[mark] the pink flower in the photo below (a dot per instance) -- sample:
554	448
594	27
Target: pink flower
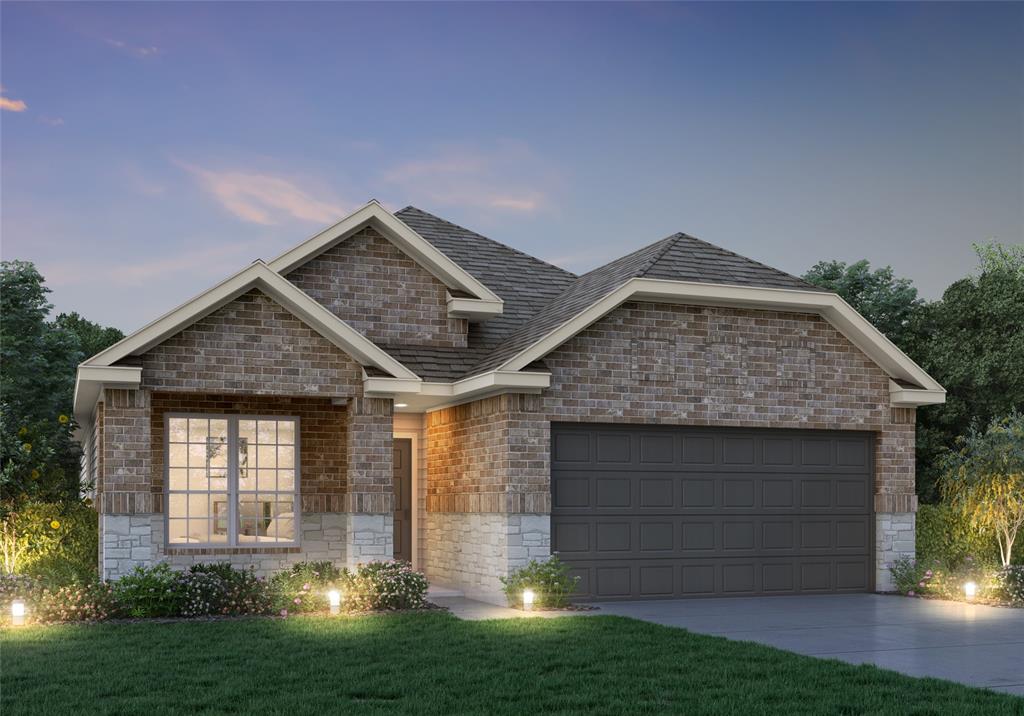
297	600
284	612
910	593
920	584
305	587
928	573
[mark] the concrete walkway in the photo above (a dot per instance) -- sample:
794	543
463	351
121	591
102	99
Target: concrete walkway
969	643
472	610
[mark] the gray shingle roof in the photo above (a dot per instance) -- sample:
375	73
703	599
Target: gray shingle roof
539	297
523	282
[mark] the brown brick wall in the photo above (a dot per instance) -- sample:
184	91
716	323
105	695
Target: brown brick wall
125	453
254	346
322	442
370	456
672	365
367	282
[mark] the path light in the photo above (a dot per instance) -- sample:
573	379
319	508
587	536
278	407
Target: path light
528	599
334	599
970	589
17	612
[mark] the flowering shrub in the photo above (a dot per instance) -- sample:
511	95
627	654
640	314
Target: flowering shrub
549	580
1008	585
221	589
150	592
50	540
303	588
88	602
383	585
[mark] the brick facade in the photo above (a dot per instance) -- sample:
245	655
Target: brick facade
254	346
378	290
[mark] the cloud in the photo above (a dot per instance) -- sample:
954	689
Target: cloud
507	178
136	50
12	105
263	198
52	121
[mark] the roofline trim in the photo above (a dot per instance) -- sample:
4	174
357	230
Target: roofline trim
398	232
431	395
90	382
830	306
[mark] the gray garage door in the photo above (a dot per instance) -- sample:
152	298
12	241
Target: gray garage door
668	512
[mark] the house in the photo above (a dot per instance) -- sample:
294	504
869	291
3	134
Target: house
682	421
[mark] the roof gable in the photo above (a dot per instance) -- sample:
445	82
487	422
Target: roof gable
487	303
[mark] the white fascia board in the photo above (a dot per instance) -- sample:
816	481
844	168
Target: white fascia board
432	395
91	380
474	309
904	397
396	231
259	276
830	306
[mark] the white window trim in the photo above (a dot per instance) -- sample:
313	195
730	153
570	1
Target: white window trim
233	492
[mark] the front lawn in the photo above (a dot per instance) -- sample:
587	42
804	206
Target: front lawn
434	663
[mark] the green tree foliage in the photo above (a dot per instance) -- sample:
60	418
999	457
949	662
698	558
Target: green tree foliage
38	456
92	337
891	304
975	348
984	480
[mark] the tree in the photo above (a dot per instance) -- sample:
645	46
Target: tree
984	479
38	455
92	337
975	349
891	304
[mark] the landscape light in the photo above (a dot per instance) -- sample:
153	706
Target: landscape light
17	612
334	599
970	589
528	599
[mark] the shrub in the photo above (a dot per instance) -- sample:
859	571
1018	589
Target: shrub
219	588
383	585
17	586
88	602
150	592
1008	585
303	588
549	580
54	541
907	575
944	534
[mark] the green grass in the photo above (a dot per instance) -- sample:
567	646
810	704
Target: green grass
434	663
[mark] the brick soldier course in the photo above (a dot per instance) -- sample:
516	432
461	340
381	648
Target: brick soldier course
484	466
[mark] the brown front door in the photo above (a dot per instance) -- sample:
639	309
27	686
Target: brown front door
403	499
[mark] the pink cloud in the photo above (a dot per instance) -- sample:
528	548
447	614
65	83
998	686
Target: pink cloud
136	50
265	199
12	105
509	177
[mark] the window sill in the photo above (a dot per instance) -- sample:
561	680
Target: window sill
183	550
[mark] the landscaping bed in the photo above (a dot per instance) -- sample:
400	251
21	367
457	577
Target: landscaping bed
434	663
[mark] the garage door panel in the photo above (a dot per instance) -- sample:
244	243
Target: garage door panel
679	578
652	512
637	536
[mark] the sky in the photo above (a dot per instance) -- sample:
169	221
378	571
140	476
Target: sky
149	150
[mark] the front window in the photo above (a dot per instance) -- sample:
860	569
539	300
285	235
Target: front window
232	480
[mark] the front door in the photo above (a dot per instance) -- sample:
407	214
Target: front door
403	499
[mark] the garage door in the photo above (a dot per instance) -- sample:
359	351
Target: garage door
668	512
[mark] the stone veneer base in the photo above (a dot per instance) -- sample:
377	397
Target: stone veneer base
127	541
470	551
894	538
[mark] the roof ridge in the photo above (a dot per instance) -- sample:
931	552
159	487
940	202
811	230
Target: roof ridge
682	235
670	241
487	238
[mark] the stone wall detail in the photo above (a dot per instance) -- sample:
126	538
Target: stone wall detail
894	539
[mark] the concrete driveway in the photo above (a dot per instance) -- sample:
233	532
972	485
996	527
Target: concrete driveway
972	644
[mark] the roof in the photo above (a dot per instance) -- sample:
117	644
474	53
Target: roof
520	308
678	257
525	283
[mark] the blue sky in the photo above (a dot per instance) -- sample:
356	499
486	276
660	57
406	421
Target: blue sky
149	150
